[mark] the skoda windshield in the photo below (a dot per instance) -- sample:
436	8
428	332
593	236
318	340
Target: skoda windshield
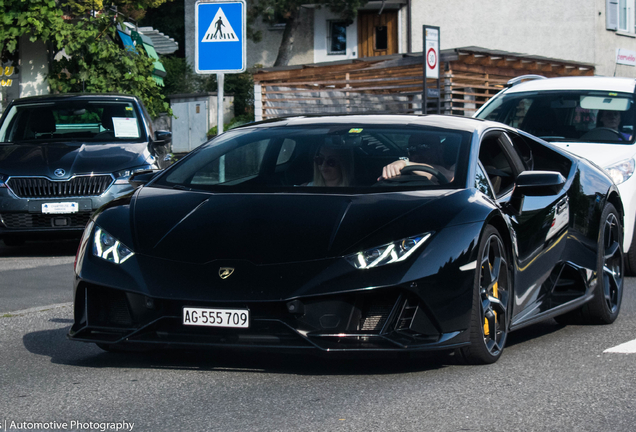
323	159
72	121
569	116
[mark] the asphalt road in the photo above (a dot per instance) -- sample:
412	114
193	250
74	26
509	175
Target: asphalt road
36	274
550	377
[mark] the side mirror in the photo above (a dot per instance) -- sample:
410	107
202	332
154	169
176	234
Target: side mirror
141	178
539	183
163	137
535	183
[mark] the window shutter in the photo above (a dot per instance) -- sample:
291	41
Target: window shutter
611	13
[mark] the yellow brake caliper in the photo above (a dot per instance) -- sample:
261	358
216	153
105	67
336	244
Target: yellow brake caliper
495	294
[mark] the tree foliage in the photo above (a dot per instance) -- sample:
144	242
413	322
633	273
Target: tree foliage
288	12
84	55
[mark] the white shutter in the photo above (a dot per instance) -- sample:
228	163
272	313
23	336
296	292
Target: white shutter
611	13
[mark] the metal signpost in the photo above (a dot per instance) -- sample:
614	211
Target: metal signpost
219	29
431	66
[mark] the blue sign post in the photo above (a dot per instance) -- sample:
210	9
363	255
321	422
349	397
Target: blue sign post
219	28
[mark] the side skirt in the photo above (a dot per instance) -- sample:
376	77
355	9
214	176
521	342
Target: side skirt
567	307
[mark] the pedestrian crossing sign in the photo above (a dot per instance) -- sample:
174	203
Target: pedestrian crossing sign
220	36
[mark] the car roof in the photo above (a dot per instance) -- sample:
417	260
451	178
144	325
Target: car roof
613	84
467	124
73	96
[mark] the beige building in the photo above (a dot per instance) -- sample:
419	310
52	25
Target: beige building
586	31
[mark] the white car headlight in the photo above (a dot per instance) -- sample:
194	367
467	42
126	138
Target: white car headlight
388	253
109	248
621	171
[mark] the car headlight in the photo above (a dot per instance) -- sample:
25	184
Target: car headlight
3	179
621	171
109	248
388	253
122	177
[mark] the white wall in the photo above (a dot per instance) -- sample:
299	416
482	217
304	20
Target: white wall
566	29
34	67
265	52
321	18
561	29
606	44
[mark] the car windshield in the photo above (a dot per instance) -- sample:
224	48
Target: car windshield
79	120
322	159
576	116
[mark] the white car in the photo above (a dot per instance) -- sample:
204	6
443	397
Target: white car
593	117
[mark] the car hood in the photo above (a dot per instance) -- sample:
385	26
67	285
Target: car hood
603	155
43	159
199	227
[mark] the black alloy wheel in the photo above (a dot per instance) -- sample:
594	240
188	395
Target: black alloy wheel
604	307
491	301
612	265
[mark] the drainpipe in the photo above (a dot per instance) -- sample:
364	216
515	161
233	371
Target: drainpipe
409	45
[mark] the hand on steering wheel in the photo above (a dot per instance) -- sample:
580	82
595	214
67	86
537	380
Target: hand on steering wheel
411	169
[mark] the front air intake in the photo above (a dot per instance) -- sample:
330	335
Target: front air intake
376	311
107	308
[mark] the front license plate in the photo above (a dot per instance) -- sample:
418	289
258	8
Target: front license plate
60	207
235	318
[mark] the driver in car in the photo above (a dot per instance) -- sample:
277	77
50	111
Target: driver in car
612	120
426	151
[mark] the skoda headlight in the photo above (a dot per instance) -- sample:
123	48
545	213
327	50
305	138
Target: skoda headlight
122	177
109	248
621	171
388	253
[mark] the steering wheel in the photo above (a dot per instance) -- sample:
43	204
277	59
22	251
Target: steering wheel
410	171
600	132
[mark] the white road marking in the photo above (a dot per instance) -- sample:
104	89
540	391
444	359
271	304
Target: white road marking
626	348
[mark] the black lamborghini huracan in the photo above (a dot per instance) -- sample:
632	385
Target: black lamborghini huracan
294	234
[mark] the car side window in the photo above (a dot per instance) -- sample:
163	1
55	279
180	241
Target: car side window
523	150
498	162
286	151
481	182
240	163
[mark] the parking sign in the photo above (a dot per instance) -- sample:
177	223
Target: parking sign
220	36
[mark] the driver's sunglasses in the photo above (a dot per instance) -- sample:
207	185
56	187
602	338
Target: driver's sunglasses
330	162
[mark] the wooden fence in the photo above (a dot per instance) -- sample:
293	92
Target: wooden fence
393	84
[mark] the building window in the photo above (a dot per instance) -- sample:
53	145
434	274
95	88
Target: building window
381	38
337	37
623	13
